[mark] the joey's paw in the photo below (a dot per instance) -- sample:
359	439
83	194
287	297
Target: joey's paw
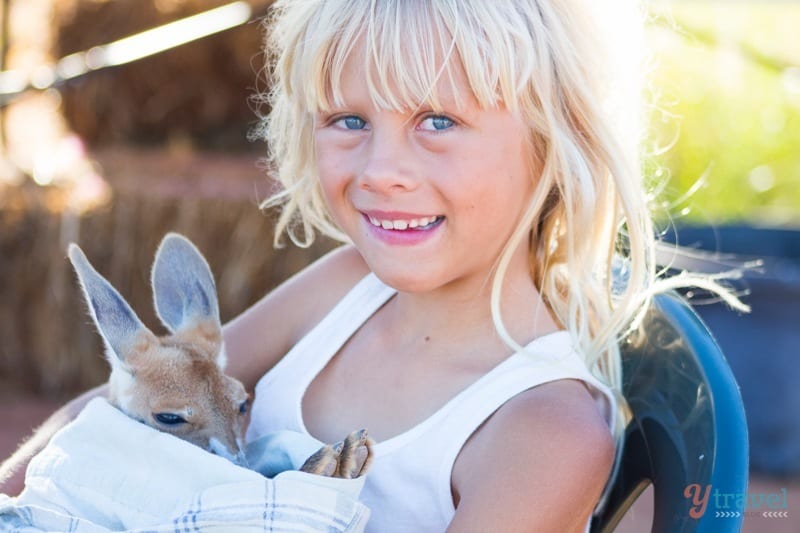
323	463
356	455
346	459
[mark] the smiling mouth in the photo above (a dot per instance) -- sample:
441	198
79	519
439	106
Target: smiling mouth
414	224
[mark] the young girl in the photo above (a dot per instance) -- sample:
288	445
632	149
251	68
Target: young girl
481	161
475	157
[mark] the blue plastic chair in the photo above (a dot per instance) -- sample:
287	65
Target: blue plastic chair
687	427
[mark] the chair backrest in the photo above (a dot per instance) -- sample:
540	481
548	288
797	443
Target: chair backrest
687	434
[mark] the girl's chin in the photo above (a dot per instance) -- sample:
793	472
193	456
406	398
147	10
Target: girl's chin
406	280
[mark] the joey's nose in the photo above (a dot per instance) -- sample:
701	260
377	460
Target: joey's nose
232	452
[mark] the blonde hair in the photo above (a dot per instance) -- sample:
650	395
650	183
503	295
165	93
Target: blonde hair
569	67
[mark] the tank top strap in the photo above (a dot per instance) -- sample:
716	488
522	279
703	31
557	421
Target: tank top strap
279	392
548	358
329	335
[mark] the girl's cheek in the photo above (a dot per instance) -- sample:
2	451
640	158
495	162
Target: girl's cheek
333	201
333	170
335	153
335	175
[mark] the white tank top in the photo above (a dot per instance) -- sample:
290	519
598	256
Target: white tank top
408	487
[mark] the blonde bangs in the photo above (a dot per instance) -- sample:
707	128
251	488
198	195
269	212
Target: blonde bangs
409	49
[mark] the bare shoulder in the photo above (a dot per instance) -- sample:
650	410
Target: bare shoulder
314	291
539	463
261	335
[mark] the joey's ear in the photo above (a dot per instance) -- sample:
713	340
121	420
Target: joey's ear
183	287
118	324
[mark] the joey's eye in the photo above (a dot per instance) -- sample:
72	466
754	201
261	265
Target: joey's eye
436	123
169	419
244	406
351	122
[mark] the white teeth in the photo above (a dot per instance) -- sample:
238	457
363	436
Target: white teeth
401	225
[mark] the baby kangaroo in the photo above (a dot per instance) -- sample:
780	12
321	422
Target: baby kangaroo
176	383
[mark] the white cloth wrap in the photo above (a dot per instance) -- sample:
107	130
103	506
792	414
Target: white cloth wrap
106	472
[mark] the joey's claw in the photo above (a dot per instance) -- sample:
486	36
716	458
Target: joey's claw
356	455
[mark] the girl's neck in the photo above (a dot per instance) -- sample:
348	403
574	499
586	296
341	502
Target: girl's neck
462	310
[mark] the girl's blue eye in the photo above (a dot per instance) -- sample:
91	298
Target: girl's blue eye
437	123
351	122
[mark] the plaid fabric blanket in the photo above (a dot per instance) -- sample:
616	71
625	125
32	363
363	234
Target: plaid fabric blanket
105	472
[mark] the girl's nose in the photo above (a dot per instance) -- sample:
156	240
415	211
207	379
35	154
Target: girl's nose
389	165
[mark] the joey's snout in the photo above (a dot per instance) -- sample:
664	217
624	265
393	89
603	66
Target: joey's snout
234	454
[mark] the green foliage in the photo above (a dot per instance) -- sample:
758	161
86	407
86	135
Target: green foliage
726	86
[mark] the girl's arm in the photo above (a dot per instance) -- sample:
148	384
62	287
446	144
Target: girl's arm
257	339
538	464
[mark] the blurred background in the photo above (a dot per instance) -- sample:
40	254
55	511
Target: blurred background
112	134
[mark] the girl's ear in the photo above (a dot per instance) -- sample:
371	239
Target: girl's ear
183	286
118	324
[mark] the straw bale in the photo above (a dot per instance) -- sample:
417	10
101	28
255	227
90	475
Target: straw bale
195	93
